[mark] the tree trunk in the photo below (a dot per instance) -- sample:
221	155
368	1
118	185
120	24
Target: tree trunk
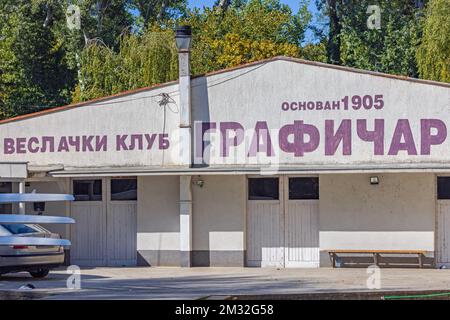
147	8
49	18
334	42
162	10
223	4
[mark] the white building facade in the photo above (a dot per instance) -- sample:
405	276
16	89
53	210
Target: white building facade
270	164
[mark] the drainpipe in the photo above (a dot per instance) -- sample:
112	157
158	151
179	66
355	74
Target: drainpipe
22	190
185	221
183	39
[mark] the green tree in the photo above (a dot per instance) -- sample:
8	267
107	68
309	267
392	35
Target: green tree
235	50
433	56
40	56
100	21
245	31
223	36
33	68
121	54
333	11
392	47
314	52
142	60
157	11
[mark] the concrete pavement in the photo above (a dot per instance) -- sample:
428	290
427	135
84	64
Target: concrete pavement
198	283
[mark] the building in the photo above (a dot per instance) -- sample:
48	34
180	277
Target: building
272	163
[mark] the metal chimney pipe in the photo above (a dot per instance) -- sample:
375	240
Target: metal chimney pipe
183	37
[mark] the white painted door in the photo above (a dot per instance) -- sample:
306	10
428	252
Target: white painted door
302	233
122	233
265	234
88	234
302	222
105	231
265	223
283	232
443	233
121	222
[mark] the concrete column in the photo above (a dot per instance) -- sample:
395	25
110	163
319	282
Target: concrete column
22	204
185	221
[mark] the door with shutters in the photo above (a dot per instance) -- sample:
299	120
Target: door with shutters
302	222
282	222
265	223
88	234
121	223
105	211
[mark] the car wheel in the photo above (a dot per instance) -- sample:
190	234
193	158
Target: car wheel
40	273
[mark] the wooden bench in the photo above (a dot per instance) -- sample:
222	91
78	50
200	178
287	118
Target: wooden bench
376	254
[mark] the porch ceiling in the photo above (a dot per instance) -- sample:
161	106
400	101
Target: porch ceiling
13	170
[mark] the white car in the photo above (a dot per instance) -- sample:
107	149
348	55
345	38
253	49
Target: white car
37	260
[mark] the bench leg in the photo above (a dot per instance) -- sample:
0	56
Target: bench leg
375	259
333	259
420	260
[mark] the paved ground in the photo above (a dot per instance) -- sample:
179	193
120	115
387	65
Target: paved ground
195	283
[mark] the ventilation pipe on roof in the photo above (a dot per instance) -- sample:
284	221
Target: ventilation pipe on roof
183	37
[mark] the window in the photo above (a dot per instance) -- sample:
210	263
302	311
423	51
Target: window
5	187
87	190
19	228
123	189
303	188
443	188
263	189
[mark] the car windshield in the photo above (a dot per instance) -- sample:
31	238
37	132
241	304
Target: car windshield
19	228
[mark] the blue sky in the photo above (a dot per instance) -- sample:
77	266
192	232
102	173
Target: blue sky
294	4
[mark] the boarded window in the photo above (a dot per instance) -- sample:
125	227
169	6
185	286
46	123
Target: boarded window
87	190
443	188
263	189
123	189
303	188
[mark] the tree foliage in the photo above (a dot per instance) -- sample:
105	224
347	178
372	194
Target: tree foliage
334	11
153	12
39	54
246	31
433	56
33	67
234	50
390	49
140	61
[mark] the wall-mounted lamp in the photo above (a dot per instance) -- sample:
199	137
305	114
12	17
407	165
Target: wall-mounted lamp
39	207
374	180
198	182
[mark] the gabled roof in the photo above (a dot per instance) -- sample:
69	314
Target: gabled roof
278	58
